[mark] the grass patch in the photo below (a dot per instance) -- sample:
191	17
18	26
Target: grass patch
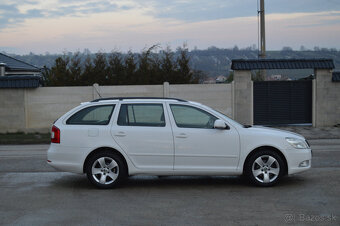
25	138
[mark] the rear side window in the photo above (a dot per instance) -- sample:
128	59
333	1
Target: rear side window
94	115
141	115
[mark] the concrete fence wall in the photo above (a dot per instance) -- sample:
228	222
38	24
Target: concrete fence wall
34	110
31	110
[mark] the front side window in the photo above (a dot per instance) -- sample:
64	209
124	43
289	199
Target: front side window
141	115
191	117
94	115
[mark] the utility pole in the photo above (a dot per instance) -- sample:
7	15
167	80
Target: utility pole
262	30
262	54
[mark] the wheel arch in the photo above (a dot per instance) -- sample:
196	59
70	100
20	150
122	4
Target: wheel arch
102	149
271	148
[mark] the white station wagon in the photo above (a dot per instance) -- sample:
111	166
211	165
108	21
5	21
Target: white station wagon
110	139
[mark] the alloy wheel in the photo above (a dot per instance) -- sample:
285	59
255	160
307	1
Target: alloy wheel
266	169
105	170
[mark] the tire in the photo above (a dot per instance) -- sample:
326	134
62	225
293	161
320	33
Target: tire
265	168
106	170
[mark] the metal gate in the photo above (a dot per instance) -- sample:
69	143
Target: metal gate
282	102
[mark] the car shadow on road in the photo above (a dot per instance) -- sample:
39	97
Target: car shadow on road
184	182
204	181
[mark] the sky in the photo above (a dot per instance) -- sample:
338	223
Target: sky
56	26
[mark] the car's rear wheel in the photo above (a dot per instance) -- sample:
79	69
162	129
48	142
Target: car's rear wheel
265	168
105	169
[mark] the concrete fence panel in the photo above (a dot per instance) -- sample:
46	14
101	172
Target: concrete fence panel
217	96
132	91
12	110
44	105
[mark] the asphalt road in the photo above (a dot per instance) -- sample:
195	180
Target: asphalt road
32	193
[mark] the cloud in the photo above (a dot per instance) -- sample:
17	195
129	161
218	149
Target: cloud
202	10
130	24
10	14
16	12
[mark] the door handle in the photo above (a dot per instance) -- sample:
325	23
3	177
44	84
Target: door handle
120	134
182	135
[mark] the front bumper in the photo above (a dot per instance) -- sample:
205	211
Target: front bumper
299	160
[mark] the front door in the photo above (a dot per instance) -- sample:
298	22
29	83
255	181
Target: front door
198	145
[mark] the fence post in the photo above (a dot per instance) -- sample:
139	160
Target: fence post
96	91
327	96
166	89
243	97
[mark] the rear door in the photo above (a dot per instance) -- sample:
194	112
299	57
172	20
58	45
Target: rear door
143	131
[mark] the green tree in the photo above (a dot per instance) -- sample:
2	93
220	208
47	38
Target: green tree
147	72
130	69
167	65
100	71
147	67
59	72
87	78
184	75
75	70
156	73
116	70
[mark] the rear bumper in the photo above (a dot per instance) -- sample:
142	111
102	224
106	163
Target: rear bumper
64	159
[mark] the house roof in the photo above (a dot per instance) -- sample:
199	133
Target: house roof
336	76
13	64
20	81
254	64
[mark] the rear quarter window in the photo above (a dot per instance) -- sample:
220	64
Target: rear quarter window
94	115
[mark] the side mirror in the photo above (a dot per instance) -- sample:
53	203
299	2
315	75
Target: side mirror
219	124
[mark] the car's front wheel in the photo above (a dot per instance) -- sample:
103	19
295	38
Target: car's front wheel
265	168
105	169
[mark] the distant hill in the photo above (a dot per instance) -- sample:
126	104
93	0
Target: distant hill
215	61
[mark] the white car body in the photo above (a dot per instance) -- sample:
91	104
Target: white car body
171	150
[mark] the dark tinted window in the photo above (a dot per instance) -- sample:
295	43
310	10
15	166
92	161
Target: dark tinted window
95	115
141	115
191	117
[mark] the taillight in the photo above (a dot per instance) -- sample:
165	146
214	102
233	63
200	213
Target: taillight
55	135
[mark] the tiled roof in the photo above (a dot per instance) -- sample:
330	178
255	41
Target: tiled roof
13	64
254	64
336	76
20	81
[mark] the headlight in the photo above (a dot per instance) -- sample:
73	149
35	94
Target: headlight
297	143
